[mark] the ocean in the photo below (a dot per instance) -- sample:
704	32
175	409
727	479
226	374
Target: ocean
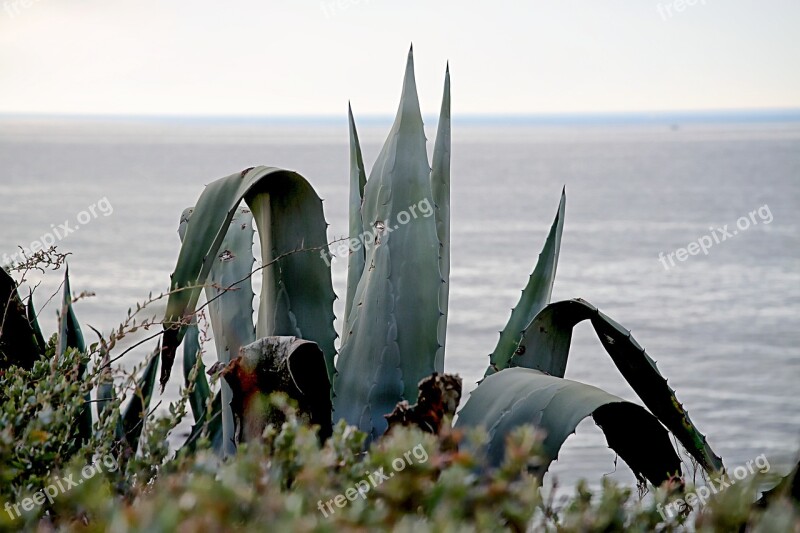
723	323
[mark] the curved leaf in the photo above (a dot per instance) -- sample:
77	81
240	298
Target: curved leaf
545	346
290	365
297	293
534	297
517	396
391	338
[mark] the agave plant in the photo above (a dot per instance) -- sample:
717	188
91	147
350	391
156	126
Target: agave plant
22	345
396	306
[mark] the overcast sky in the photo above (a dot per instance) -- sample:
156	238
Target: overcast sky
309	57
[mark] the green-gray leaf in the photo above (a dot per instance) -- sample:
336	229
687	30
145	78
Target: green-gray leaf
391	340
133	417
517	396
297	293
545	346
440	185
534	297
358	180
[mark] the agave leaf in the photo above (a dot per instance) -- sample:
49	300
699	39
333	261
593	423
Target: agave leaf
105	383
391	340
440	186
517	396
297	294
210	425
545	342
69	330
545	346
290	365
136	410
358	180
201	392
106	394
18	345
33	320
231	311
71	336
534	297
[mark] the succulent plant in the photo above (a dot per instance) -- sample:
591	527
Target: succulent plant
396	305
22	345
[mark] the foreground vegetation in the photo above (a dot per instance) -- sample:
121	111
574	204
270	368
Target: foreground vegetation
289	481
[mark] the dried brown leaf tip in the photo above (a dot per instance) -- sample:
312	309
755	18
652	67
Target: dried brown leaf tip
439	396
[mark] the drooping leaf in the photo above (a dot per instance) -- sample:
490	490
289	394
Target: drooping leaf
18	345
133	417
297	293
517	396
289	365
545	346
358	180
545	342
534	297
391	340
440	186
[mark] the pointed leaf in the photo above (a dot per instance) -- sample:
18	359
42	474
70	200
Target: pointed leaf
69	330
440	185
71	336
33	320
392	330
534	297
358	180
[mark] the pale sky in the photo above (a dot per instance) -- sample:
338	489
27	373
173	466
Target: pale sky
309	57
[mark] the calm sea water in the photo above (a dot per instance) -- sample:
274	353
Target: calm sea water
724	327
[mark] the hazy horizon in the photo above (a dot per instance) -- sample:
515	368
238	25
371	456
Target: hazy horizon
311	57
